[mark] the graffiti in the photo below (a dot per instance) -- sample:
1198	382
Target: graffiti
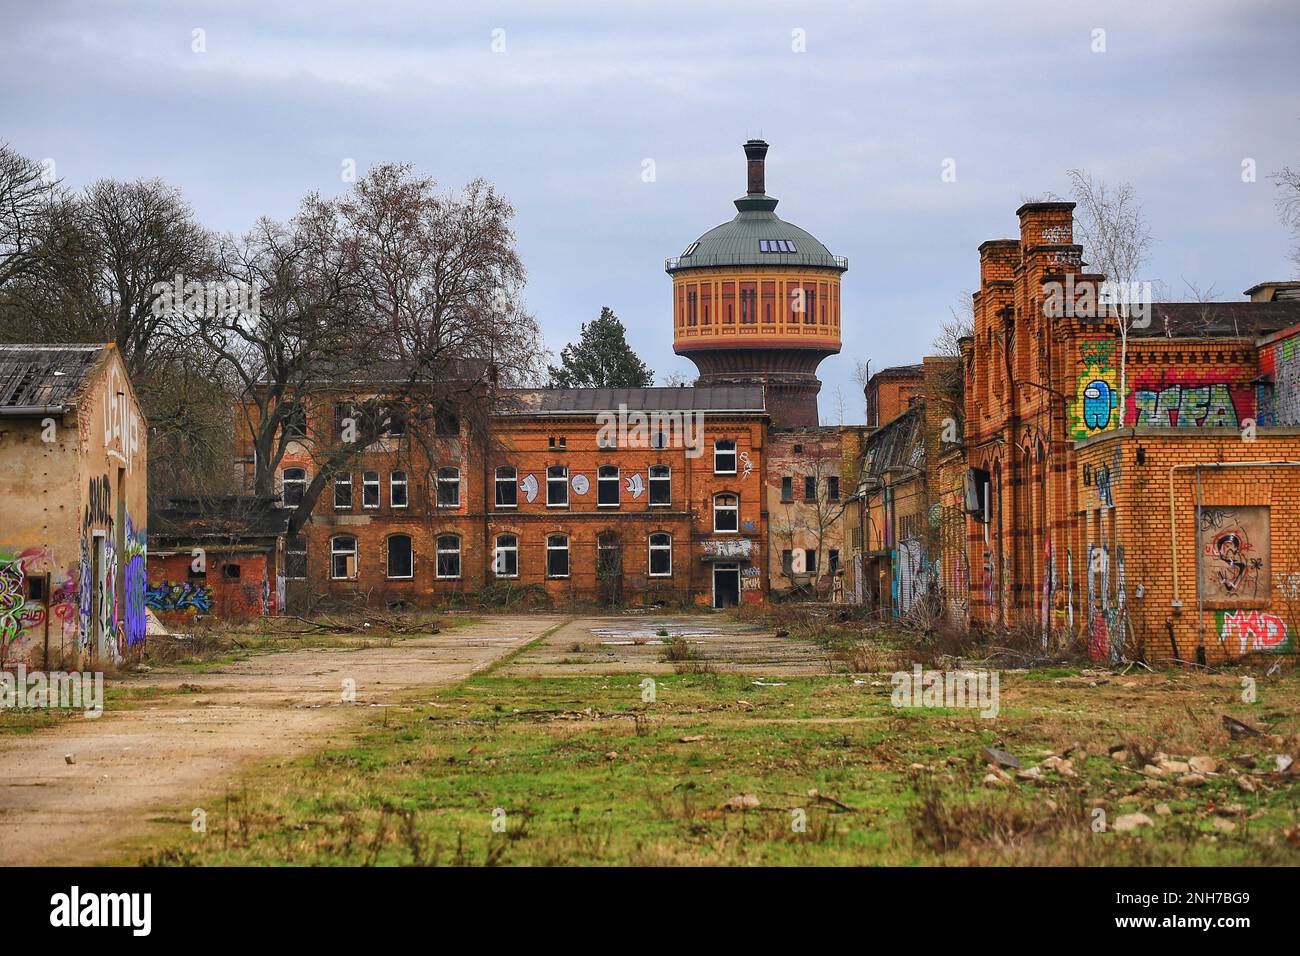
748	468
1279	402
99	505
179	597
635	484
581	484
727	548
528	485
1253	631
12	604
1287	584
1234	553
1106	477
135	583
913	575
1098	390
121	423
1204	406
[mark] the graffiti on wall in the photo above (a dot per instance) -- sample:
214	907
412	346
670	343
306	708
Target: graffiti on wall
121	422
1097	394
20	614
1247	631
186	596
1279	394
135	582
1215	398
914	575
1234	553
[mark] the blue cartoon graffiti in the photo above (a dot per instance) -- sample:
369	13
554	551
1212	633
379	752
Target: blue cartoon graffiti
1098	401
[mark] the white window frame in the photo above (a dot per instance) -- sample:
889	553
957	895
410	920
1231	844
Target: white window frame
562	481
650	483
651	548
393	484
734	452
617	481
567	557
388	560
512	481
498	549
367	483
454	483
288	550
734	509
300	483
343	480
356	557
439	551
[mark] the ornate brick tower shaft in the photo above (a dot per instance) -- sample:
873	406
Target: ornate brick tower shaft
756	301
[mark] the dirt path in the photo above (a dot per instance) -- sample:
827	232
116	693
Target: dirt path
151	766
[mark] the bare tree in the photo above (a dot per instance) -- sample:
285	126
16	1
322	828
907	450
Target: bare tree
25	195
1288	206
1116	241
394	309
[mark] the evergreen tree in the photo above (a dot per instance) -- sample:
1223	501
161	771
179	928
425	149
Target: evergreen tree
601	358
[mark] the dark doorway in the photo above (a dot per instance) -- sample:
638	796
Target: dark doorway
609	567
726	585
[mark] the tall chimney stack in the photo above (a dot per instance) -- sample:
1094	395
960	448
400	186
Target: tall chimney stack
756	154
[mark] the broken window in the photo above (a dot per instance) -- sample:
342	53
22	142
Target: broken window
726	513
343	491
293	482
397	489
295	558
343	557
448	556
661	555
661	485
557	556
401	559
449	487
370	489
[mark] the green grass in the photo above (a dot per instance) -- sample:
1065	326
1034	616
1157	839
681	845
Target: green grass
585	772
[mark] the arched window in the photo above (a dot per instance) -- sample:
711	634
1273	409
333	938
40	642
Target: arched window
449	487
505	556
557	486
607	486
661	555
401	559
661	485
726	512
343	557
293	482
507	481
557	556
724	456
448	546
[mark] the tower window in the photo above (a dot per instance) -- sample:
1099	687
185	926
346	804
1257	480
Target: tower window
776	245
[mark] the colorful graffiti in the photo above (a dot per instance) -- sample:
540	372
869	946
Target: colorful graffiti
135	584
1248	631
179	597
1279	393
13	602
1097	395
1234	553
19	613
1190	398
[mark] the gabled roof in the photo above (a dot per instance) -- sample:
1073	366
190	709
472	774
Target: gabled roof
589	401
40	379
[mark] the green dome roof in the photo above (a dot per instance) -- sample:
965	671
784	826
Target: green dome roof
757	236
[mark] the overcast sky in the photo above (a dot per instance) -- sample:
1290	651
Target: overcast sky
564	118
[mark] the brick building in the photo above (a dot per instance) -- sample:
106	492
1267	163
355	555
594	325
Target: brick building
1137	495
650	495
72	533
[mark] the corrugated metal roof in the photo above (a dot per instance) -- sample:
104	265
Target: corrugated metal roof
44	376
542	401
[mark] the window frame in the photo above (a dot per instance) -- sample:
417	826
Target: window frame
336	552
288	550
734	509
393	483
733	451
498	549
512	481
602	480
368	483
388	557
568	567
343	481
439	551
441	481
651	481
299	483
651	548
560	480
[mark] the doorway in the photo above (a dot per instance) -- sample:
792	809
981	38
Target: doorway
726	585
609	568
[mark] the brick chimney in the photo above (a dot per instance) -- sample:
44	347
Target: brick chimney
756	156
